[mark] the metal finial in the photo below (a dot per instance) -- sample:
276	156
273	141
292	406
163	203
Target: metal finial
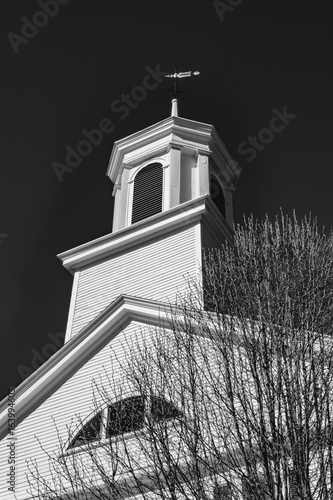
174	107
175	90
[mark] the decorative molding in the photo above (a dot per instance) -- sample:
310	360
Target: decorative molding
153	227
72	306
79	349
155	140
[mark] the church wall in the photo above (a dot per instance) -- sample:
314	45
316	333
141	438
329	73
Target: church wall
49	421
155	271
208	242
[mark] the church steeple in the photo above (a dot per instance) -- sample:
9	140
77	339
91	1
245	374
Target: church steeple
180	160
173	187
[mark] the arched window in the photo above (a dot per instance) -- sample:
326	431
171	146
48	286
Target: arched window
90	432
216	194
124	416
148	191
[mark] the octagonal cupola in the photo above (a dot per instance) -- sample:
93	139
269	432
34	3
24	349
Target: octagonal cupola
167	164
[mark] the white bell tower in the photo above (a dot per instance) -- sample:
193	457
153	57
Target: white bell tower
173	188
193	162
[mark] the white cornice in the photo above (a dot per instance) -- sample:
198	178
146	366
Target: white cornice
154	140
187	128
158	225
77	351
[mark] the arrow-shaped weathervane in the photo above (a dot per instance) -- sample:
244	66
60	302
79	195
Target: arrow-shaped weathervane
183	74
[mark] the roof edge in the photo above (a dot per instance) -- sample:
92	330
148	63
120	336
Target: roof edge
65	362
160	224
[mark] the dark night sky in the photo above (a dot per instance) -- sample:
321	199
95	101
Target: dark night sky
264	55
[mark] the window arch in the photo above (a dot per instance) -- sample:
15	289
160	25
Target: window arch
217	195
124	416
147	192
89	433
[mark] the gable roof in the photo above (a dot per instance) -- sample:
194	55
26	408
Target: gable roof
78	350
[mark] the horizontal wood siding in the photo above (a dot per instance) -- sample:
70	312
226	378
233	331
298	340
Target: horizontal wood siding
73	399
155	271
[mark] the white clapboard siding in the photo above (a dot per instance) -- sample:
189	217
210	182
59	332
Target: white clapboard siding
61	408
156	271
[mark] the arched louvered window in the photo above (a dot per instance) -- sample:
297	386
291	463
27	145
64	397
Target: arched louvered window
148	191
126	415
216	194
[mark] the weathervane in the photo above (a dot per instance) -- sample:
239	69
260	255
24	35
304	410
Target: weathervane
175	90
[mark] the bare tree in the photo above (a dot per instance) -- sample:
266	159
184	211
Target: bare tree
234	394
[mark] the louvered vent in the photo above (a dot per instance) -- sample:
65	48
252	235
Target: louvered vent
216	194
148	189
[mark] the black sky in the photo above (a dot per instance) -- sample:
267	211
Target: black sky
263	55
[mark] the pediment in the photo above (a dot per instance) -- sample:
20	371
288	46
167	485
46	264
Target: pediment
78	351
